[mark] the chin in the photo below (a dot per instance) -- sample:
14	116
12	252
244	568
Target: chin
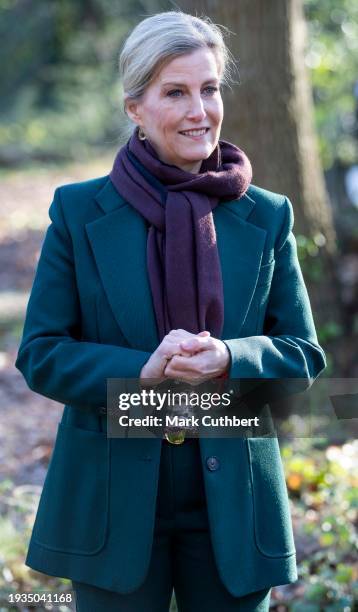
194	153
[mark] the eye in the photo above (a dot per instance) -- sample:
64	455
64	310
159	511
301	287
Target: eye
176	93
173	93
211	89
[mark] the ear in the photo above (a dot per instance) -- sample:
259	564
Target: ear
132	108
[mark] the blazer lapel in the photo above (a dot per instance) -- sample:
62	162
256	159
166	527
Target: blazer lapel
119	244
240	246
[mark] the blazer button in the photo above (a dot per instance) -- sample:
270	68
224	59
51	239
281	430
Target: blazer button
213	463
102	410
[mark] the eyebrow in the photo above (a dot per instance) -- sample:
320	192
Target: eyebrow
213	80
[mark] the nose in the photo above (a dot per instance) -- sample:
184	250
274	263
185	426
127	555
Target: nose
196	110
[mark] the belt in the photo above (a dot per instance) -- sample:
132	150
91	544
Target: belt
168	439
175	437
172	437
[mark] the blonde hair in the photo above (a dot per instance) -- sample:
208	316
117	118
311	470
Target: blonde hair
162	37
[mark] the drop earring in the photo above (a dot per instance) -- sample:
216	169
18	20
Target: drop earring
141	134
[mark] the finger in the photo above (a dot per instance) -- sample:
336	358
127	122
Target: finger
170	345
193	378
174	348
197	343
199	365
186	334
194	347
180	332
184	364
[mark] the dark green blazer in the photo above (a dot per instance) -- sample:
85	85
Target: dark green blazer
90	317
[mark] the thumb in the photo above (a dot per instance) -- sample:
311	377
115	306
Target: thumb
196	343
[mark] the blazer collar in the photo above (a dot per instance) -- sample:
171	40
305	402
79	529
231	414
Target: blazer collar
119	239
109	199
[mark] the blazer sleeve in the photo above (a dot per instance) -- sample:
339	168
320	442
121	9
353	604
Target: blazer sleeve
289	347
52	357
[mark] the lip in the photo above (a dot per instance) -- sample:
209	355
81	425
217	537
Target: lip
195	137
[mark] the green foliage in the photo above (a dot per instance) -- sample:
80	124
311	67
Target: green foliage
61	96
323	484
17	510
309	251
330	331
332	57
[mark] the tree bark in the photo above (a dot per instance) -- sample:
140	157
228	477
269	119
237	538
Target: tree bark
270	116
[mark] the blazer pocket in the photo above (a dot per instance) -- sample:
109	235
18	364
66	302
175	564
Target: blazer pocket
272	518
265	274
73	510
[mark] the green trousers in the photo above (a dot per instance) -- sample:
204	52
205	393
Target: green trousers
182	555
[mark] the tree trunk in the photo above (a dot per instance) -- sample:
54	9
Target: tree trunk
270	116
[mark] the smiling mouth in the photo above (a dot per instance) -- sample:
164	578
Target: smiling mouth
196	133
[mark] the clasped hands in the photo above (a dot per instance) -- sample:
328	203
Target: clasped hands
187	357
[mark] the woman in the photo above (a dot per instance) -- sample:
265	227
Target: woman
173	267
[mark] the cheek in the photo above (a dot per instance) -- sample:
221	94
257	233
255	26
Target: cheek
215	110
154	119
165	121
154	115
218	112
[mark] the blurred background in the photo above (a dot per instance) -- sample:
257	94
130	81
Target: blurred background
294	109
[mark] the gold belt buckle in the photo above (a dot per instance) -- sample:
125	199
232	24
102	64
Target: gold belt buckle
175	437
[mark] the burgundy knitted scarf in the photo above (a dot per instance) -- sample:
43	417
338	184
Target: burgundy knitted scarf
182	256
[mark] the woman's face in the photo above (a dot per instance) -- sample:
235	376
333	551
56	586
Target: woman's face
184	96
